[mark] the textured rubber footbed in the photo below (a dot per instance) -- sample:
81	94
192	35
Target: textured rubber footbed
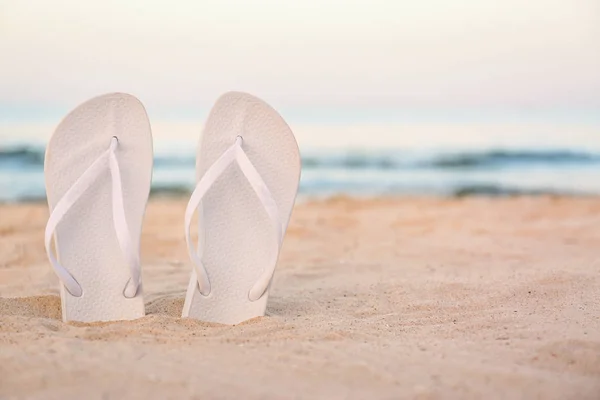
239	238
85	240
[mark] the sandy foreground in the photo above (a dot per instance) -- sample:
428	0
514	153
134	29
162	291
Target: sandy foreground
407	298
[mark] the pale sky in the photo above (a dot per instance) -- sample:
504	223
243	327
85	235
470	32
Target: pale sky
327	54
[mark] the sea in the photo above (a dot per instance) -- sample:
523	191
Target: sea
365	158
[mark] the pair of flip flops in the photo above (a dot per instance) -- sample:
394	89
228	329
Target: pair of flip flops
98	171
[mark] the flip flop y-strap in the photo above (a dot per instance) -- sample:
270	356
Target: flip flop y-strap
108	160
234	153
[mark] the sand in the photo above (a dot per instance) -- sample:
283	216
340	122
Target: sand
386	298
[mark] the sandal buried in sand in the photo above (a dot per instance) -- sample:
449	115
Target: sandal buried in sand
98	170
248	170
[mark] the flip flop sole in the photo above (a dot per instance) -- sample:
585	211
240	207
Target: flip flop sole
239	238
85	240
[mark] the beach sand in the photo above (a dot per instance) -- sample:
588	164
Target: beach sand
384	298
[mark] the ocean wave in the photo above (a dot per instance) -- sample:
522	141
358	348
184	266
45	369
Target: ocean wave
506	157
23	155
33	156
450	160
504	191
364	189
175	190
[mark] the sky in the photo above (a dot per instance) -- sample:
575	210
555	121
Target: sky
317	57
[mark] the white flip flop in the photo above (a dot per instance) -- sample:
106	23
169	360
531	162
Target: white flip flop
248	170
98	170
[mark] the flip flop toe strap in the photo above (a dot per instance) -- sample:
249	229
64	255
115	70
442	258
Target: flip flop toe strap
108	160
234	153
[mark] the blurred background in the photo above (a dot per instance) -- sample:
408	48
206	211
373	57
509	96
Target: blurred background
386	97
